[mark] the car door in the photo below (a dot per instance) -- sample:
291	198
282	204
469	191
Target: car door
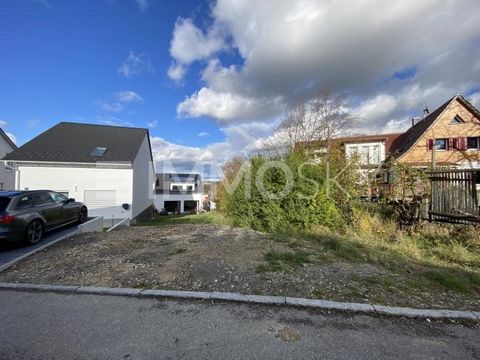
48	209
68	211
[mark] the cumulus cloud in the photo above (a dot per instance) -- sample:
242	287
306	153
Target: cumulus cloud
135	65
190	44
203	134
389	59
288	53
170	156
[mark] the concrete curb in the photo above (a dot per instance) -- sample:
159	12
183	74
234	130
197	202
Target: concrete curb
252	299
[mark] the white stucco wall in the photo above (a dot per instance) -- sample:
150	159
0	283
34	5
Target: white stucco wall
143	179
7	178
77	180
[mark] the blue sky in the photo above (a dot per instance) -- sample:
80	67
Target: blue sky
211	79
61	58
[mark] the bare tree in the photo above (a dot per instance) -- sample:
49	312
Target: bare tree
318	120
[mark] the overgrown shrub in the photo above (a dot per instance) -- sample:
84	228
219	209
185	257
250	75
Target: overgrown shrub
260	200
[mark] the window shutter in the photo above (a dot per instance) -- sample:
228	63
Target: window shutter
450	144
456	144
429	144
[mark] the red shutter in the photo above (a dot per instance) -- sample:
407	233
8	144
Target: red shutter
429	144
450	145
456	144
464	143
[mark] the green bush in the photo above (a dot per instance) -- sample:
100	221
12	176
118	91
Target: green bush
310	201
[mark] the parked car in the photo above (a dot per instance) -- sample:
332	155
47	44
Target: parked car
27	215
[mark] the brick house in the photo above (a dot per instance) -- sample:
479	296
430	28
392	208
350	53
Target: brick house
452	130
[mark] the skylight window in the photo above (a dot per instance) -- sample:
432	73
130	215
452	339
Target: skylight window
98	151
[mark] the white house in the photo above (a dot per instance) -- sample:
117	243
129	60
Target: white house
178	193
7	177
109	168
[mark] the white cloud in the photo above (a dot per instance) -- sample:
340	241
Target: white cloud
114	107
190	44
12	137
152	124
285	52
142	5
117	101
185	158
113	121
3	123
176	72
128	96
135	65
226	106
203	134
288	53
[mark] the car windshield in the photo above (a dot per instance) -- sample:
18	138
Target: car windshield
4	201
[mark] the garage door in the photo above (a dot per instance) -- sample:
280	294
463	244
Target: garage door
100	198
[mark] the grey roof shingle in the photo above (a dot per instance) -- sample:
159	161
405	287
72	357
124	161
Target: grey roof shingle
74	142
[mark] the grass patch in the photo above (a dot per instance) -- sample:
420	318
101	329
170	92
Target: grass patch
453	281
211	217
279	261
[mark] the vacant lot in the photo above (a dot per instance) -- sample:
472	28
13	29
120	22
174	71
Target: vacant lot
193	256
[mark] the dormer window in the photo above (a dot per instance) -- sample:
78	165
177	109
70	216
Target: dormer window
456	120
98	151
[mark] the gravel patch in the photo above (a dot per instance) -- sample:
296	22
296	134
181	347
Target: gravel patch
204	257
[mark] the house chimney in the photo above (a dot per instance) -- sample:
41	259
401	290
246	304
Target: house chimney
416	120
426	111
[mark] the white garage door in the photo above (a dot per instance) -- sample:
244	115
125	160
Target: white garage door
100	198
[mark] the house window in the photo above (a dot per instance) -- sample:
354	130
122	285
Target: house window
456	120
375	155
441	144
473	143
176	188
98	151
189	187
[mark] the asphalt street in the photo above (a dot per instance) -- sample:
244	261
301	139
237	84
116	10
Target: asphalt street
62	326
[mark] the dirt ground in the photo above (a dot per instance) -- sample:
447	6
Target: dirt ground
218	258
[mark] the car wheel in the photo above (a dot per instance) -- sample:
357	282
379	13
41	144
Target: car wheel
34	232
83	215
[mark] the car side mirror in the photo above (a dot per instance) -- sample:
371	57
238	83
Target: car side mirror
71	200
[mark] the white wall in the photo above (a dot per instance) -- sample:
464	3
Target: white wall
7	178
77	180
143	179
161	198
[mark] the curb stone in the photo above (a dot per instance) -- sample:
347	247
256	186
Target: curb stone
425	313
252	299
176	294
108	291
330	305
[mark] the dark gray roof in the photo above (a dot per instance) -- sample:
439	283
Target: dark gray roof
74	142
7	139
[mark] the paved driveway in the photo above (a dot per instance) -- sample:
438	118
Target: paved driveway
11	251
61	326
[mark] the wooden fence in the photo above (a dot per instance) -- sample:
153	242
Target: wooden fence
454	196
